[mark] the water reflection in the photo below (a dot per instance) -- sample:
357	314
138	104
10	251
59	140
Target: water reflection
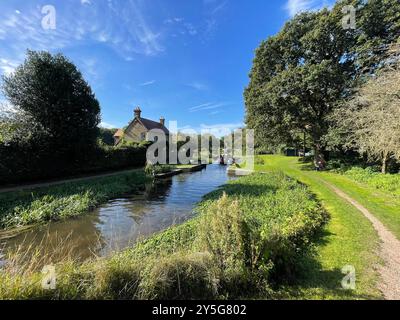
121	222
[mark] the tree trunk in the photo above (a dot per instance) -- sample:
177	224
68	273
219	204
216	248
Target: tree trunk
319	158
385	161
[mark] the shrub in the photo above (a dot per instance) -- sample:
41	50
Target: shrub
372	177
259	161
179	276
221	233
154	169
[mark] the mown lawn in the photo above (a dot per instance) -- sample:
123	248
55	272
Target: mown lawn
348	239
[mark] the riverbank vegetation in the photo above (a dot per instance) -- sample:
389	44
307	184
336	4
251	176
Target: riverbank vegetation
348	238
249	236
39	205
385	182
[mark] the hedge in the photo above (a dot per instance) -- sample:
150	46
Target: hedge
26	164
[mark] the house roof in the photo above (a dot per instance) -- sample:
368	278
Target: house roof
119	133
150	124
147	123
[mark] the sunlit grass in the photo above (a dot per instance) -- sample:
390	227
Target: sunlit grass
348	239
248	236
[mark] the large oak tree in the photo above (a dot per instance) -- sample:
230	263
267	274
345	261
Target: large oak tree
300	74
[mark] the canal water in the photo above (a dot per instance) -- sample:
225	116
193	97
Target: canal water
121	222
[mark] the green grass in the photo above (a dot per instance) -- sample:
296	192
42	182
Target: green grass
28	207
389	183
348	239
258	237
248	236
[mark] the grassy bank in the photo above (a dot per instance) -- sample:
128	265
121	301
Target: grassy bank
389	183
348	238
27	207
248	237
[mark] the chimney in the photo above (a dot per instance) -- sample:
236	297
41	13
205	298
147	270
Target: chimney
137	112
162	121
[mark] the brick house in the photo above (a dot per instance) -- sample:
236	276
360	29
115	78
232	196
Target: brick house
138	128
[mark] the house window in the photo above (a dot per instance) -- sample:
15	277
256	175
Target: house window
143	136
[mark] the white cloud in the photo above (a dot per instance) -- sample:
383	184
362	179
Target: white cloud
124	28
198	86
191	29
294	7
207	106
7	67
215	112
220	130
107	125
178	25
219	7
214	8
148	83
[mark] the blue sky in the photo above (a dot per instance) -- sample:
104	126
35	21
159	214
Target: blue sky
186	60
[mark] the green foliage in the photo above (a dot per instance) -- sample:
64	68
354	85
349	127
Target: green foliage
301	75
246	234
29	166
379	26
259	161
372	177
296	78
54	130
106	136
154	169
52	93
64	201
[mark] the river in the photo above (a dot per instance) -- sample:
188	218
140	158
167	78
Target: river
119	223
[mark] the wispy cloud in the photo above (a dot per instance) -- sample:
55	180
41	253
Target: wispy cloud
198	86
123	28
107	125
7	66
219	7
181	26
214	8
222	129
294	7
148	83
207	106
218	130
215	112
